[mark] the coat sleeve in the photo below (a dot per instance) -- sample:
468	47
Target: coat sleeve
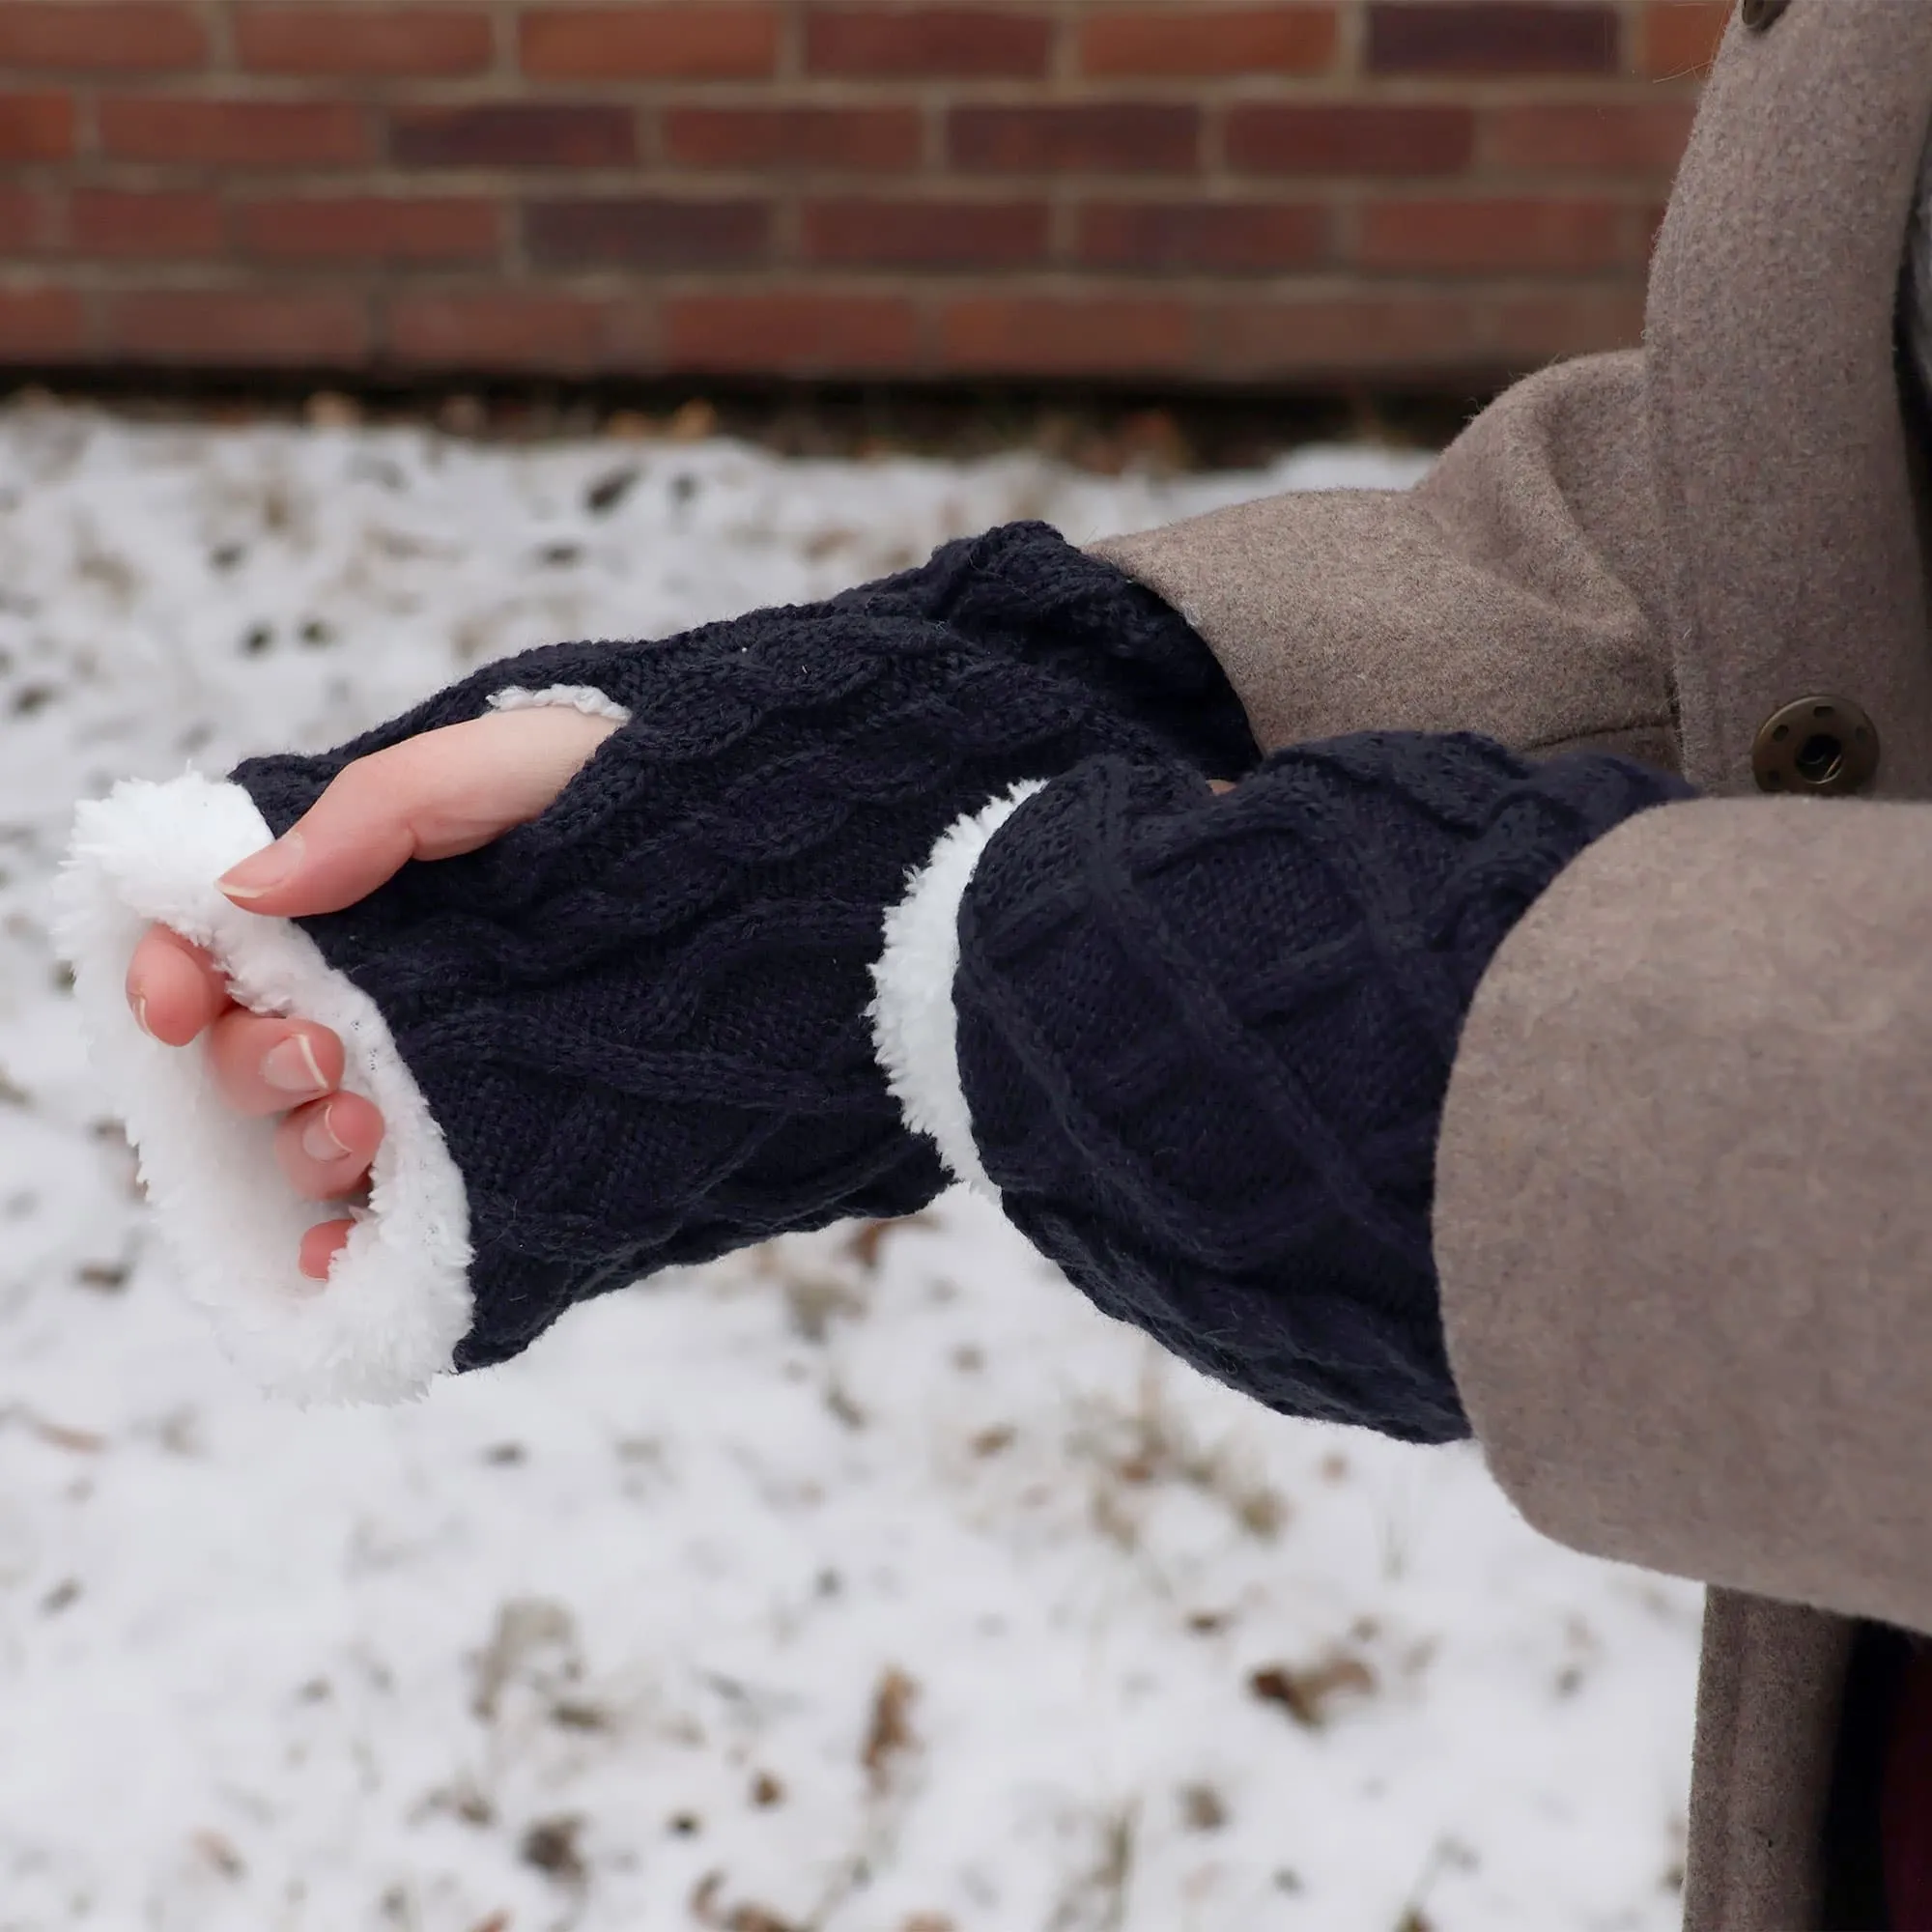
1682	1217
1508	594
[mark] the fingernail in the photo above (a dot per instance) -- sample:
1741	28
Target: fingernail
319	1140
264	870
291	1067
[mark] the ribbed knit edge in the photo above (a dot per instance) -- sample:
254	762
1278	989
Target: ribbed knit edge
397	1301
915	1026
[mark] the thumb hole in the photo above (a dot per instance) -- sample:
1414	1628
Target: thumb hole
435	796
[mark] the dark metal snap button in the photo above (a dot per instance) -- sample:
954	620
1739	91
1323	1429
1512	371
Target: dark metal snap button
1758	14
1816	745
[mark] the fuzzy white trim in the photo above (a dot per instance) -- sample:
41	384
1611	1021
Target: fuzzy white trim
584	697
397	1301
915	1024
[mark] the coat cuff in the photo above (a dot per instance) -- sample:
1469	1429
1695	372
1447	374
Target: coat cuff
397	1301
1681	1216
1327	609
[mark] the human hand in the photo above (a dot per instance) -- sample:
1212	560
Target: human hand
434	796
641	1028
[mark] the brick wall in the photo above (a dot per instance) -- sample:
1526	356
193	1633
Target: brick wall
1262	192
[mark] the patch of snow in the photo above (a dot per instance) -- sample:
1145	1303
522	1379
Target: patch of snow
875	1582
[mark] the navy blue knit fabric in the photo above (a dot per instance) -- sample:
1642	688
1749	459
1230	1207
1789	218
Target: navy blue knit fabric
1204	1041
641	1021
1023	590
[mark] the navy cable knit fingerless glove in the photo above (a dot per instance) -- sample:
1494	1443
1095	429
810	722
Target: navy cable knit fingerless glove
639	1022
1203	1042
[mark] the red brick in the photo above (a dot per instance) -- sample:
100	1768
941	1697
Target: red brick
514	134
1207	237
869	139
1679	37
1207	40
874	233
1351	141
240	327
1531	329
719	41
36	126
374	43
631	334
648	232
1478	237
235	133
790	333
1644	137
108	221
1096	334
950	42
41	325
1116	137
29	220
1408	335
493	329
132	37
1482	37
370	228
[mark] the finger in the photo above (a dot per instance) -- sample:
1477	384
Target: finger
263	1064
430	797
320	1245
174	989
325	1148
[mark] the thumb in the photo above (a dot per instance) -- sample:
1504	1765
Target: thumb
430	797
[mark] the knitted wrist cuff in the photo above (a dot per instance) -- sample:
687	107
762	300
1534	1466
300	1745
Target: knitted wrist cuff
1200	1045
1023	592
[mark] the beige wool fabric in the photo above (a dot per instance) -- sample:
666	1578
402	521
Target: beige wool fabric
1685	1245
1516	591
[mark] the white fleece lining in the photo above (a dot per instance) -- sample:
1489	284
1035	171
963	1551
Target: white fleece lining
584	697
397	1301
915	1024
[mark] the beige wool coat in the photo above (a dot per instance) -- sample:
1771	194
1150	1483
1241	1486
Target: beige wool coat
1683	1213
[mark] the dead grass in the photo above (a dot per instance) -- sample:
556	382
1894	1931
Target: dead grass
1311	1694
1150	1444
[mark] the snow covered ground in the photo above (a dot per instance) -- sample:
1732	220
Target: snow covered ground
865	1584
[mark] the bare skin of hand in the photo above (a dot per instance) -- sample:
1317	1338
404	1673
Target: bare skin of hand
431	797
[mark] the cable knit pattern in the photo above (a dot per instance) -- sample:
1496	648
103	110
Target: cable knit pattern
641	1021
1204	1041
1023	590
